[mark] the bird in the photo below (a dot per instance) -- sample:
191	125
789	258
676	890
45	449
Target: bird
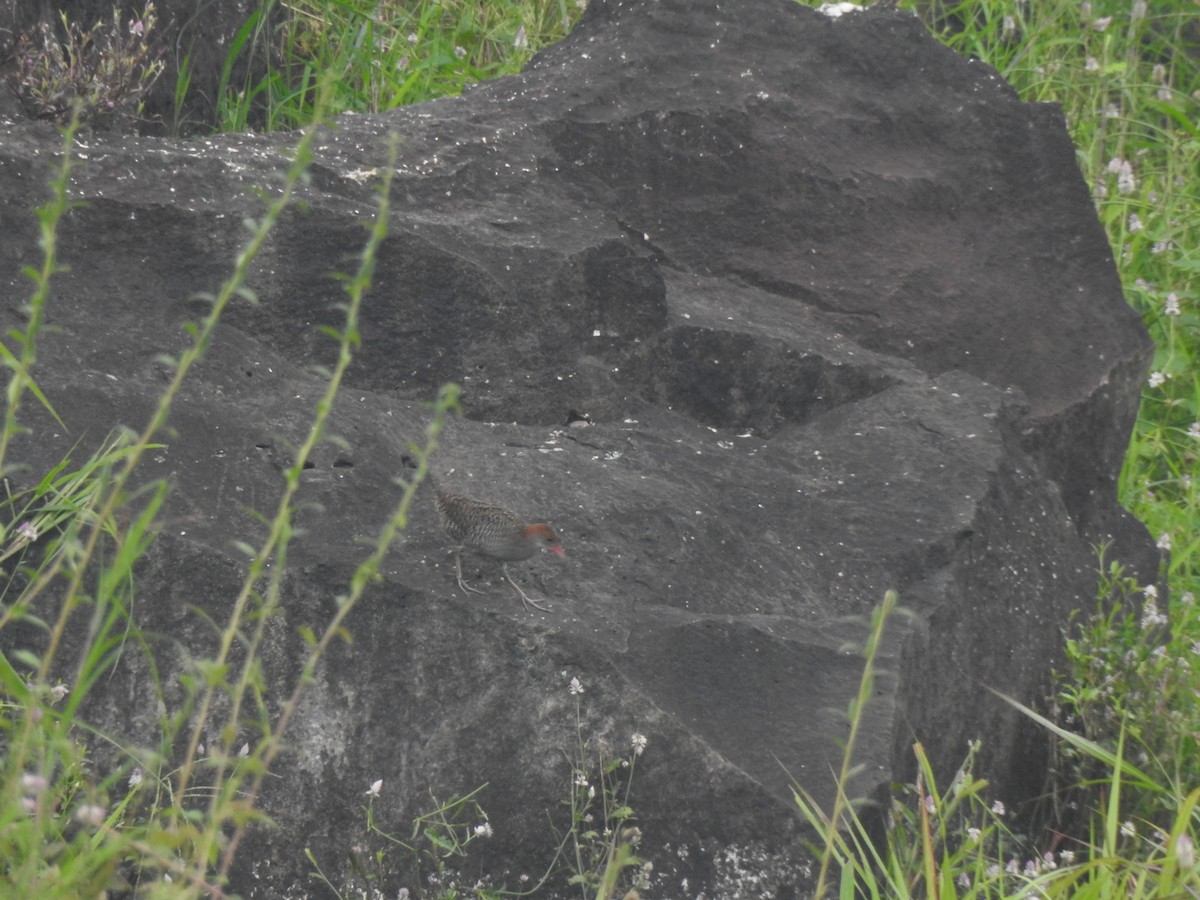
495	532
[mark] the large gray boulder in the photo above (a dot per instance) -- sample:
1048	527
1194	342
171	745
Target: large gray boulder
838	310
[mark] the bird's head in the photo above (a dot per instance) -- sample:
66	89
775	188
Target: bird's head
544	535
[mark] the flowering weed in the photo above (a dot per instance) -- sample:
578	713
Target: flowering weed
99	74
596	852
601	843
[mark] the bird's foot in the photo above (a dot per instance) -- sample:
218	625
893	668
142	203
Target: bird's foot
524	597
530	602
467	589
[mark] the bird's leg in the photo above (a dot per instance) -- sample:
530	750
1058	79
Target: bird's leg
458	571
524	598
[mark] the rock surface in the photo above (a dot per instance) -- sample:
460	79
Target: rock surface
842	319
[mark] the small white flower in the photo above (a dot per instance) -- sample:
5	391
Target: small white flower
374	789
34	784
1012	867
998	810
244	752
974	834
1171	307
1164	94
28	531
964	880
1151	617
58	692
581	780
483	830
639	743
1066	857
90	814
1135	223
1159	73
1126	183
412	38
1164	541
1091	64
460	52
1156	379
575	687
1150	591
1185	849
1102	23
1194	430
1128	829
135	777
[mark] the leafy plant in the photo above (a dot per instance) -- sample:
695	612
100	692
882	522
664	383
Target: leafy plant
600	845
956	843
100	74
440	835
1130	687
596	851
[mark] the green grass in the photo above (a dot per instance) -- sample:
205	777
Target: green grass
1125	711
381	55
1138	823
